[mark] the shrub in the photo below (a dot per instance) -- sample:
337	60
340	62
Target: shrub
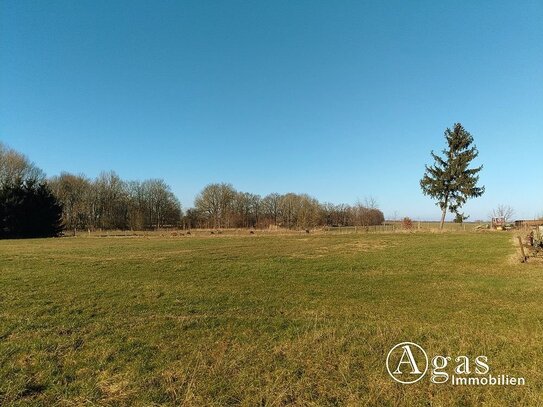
407	223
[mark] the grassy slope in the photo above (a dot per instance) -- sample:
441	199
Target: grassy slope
262	320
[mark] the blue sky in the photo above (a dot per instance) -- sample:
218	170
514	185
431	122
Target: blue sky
342	100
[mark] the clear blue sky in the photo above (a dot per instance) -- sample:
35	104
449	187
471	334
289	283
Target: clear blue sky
341	100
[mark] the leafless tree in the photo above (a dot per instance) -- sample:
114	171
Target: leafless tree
272	207
371	203
163	207
16	167
111	200
503	211
71	190
215	202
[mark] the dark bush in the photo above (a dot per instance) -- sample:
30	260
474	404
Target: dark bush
29	209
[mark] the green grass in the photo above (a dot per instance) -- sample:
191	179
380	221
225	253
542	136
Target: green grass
262	320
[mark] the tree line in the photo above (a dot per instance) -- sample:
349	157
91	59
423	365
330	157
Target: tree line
221	205
76	202
108	202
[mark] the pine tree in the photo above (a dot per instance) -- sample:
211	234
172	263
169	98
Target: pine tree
450	180
29	209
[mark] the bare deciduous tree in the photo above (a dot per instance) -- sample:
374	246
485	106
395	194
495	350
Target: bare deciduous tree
215	201
503	211
72	190
16	167
271	205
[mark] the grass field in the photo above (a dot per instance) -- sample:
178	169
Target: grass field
263	320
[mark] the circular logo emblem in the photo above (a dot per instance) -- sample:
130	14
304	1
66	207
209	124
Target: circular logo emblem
407	363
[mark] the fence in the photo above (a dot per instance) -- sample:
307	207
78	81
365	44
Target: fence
397	227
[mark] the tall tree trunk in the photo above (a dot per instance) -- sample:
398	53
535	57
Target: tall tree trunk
443	213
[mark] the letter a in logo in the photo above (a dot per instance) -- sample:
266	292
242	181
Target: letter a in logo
410	361
402	358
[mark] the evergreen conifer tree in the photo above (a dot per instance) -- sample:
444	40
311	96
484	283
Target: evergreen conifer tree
450	180
29	209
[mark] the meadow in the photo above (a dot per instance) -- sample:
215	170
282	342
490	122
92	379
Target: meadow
263	319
